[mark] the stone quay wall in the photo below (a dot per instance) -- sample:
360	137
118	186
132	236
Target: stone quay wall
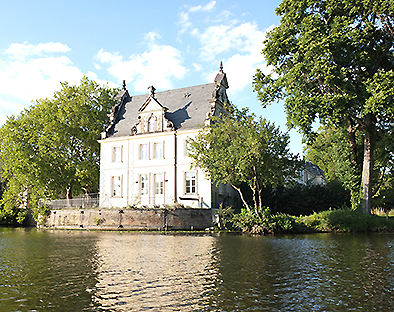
130	219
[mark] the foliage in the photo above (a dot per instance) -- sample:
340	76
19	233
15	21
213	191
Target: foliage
330	152
266	222
342	220
346	220
225	215
51	148
98	221
384	198
333	63
305	199
237	148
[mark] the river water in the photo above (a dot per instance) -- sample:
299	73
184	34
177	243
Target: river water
44	270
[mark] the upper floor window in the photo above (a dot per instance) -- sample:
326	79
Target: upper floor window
117	154
190	182
152	124
158	147
144	151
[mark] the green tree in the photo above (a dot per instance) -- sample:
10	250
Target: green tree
330	151
334	62
51	149
237	148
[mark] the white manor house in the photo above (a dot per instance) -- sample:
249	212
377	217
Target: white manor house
143	157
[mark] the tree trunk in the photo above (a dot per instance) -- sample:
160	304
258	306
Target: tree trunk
242	197
256	208
352	141
367	165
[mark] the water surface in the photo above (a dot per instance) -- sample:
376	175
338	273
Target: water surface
110	271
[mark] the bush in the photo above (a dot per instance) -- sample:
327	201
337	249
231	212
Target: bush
268	223
302	199
341	220
346	220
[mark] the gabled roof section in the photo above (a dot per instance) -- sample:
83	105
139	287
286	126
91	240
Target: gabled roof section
151	103
184	108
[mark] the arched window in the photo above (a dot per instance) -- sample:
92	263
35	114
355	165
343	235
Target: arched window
152	124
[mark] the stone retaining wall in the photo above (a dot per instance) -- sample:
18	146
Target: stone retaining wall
129	219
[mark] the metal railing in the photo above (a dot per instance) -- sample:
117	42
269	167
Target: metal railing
83	201
91	201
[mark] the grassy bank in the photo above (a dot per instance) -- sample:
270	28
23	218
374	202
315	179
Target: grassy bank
338	220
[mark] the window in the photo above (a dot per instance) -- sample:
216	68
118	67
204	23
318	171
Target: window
152	124
116	186
144	151
159	184
117	154
158	150
144	184
190	182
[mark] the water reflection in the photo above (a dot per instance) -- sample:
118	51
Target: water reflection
144	271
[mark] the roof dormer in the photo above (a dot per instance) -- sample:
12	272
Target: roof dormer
151	116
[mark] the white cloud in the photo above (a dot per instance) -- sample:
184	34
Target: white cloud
36	78
158	66
31	72
218	39
184	20
197	67
239	46
8	108
107	57
22	50
184	23
205	8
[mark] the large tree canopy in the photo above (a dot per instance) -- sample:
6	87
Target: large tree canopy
237	148
51	148
334	63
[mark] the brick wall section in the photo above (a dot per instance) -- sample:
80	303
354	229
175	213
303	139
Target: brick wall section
128	219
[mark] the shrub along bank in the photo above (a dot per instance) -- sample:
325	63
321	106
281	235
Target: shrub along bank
338	220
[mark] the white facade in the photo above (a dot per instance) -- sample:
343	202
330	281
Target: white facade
144	161
150	170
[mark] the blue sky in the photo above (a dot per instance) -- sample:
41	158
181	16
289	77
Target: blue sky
167	44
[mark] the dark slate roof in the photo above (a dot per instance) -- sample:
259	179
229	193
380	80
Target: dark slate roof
313	169
187	108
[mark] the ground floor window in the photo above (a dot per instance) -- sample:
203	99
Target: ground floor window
144	184
159	184
190	182
116	186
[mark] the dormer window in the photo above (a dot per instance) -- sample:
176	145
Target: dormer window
152	124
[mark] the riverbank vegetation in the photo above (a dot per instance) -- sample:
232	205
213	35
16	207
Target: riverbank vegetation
342	220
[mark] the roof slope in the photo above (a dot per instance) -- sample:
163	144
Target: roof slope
187	108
